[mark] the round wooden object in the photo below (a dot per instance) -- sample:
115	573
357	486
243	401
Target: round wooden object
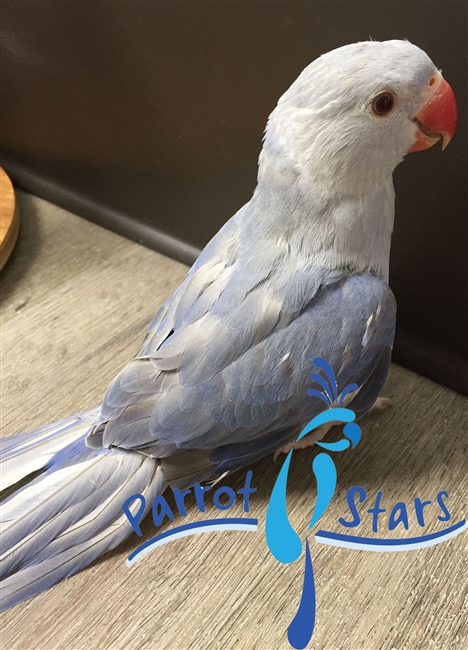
9	218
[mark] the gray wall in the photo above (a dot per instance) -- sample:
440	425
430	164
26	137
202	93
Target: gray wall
148	117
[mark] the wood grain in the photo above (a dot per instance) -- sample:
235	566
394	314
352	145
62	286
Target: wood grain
76	300
9	218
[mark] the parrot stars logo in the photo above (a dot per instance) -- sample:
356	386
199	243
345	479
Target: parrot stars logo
285	543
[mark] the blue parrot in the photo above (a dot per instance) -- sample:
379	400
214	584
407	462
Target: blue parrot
221	379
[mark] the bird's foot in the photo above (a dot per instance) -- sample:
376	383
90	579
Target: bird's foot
308	440
382	404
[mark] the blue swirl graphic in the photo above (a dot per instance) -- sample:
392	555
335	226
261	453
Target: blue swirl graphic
209	525
379	544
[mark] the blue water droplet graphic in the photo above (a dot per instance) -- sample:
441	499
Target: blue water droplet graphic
283	541
317	393
326	367
348	389
324	385
325	473
302	626
340	445
353	432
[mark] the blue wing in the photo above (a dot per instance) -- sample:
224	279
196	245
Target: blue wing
222	376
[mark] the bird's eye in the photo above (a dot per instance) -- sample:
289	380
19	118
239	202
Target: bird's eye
383	103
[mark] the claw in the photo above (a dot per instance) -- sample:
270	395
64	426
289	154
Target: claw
308	440
382	404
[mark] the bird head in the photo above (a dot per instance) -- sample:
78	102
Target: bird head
353	114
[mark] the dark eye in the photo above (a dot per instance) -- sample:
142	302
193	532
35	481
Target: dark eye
383	103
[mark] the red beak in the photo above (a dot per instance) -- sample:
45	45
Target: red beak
436	119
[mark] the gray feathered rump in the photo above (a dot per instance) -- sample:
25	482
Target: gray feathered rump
69	515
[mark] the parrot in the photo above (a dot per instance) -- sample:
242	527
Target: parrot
220	381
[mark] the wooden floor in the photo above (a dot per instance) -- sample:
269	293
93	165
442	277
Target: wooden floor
76	300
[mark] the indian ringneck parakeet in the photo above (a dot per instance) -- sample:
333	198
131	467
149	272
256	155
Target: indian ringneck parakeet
221	379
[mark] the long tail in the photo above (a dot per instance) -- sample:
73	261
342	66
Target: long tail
63	519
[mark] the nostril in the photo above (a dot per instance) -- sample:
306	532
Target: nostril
432	81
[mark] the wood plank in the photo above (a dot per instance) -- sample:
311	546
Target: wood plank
76	301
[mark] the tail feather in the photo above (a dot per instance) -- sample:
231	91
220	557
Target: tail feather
72	513
28	452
